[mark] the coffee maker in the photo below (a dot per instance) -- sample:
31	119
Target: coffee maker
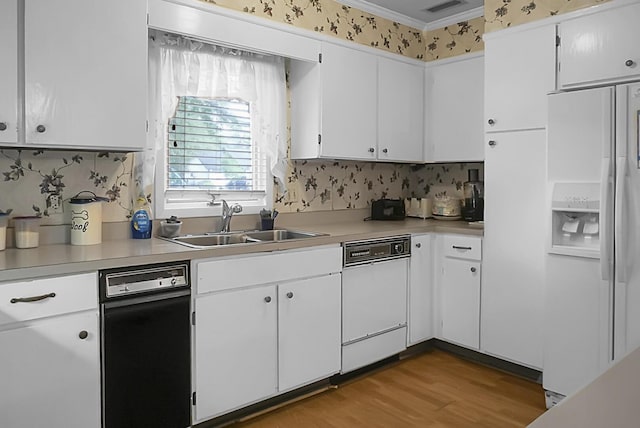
473	202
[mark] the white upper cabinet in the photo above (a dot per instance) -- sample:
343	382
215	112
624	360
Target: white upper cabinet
85	74
454	113
600	48
333	105
348	112
9	72
356	105
519	73
400	111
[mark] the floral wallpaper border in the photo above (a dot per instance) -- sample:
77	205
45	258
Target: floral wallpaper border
332	18
501	14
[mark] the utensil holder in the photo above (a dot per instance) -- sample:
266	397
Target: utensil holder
266	224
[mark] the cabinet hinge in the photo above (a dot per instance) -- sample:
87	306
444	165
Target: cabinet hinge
193	318
193	398
320	58
319	138
557	41
147	126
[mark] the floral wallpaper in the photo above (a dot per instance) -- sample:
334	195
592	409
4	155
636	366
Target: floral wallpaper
452	40
30	176
332	185
500	14
335	19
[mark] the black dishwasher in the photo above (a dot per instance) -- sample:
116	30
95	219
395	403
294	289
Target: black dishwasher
146	341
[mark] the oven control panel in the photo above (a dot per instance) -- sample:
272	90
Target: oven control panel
378	249
143	279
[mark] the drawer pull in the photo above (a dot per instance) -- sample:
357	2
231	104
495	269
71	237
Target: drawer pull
455	247
83	334
32	299
473	270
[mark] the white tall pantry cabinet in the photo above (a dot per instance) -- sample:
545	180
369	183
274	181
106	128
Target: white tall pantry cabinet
520	71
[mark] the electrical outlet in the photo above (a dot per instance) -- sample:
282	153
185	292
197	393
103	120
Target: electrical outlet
54	203
292	195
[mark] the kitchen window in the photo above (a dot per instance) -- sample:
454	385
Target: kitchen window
220	128
210	147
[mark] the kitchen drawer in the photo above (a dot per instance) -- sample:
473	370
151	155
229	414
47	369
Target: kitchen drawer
462	247
235	272
66	294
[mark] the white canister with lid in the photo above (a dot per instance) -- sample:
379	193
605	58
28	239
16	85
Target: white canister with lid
4	219
86	218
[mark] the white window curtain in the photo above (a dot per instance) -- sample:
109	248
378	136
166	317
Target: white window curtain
192	68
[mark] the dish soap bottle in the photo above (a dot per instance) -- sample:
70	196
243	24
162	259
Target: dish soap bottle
141	222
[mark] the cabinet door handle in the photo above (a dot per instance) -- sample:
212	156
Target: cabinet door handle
371	150
83	334
629	63
290	295
455	247
418	245
473	270
492	143
41	129
491	122
385	150
267	299
32	299
3	126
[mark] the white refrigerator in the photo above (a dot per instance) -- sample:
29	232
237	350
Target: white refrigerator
592	287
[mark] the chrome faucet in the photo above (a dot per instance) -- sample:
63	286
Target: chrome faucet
227	213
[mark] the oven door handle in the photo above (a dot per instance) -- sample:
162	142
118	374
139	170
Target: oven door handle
147	298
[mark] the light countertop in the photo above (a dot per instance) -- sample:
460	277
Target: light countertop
61	259
611	400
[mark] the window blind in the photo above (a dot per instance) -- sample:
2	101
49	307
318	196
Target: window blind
210	147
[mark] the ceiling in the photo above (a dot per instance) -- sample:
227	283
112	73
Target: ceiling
415	13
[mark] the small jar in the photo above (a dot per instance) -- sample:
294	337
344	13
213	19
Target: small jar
27	231
4	219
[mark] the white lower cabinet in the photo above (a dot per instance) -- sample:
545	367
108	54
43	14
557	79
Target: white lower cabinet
420	307
459	289
255	341
236	349
308	330
49	353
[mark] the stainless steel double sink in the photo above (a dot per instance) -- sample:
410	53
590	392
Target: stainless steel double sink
209	240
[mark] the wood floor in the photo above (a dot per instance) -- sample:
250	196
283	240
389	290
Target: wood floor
434	389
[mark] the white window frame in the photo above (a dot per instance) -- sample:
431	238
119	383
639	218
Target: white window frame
190	203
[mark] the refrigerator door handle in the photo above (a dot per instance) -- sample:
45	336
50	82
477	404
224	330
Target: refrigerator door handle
619	236
605	242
